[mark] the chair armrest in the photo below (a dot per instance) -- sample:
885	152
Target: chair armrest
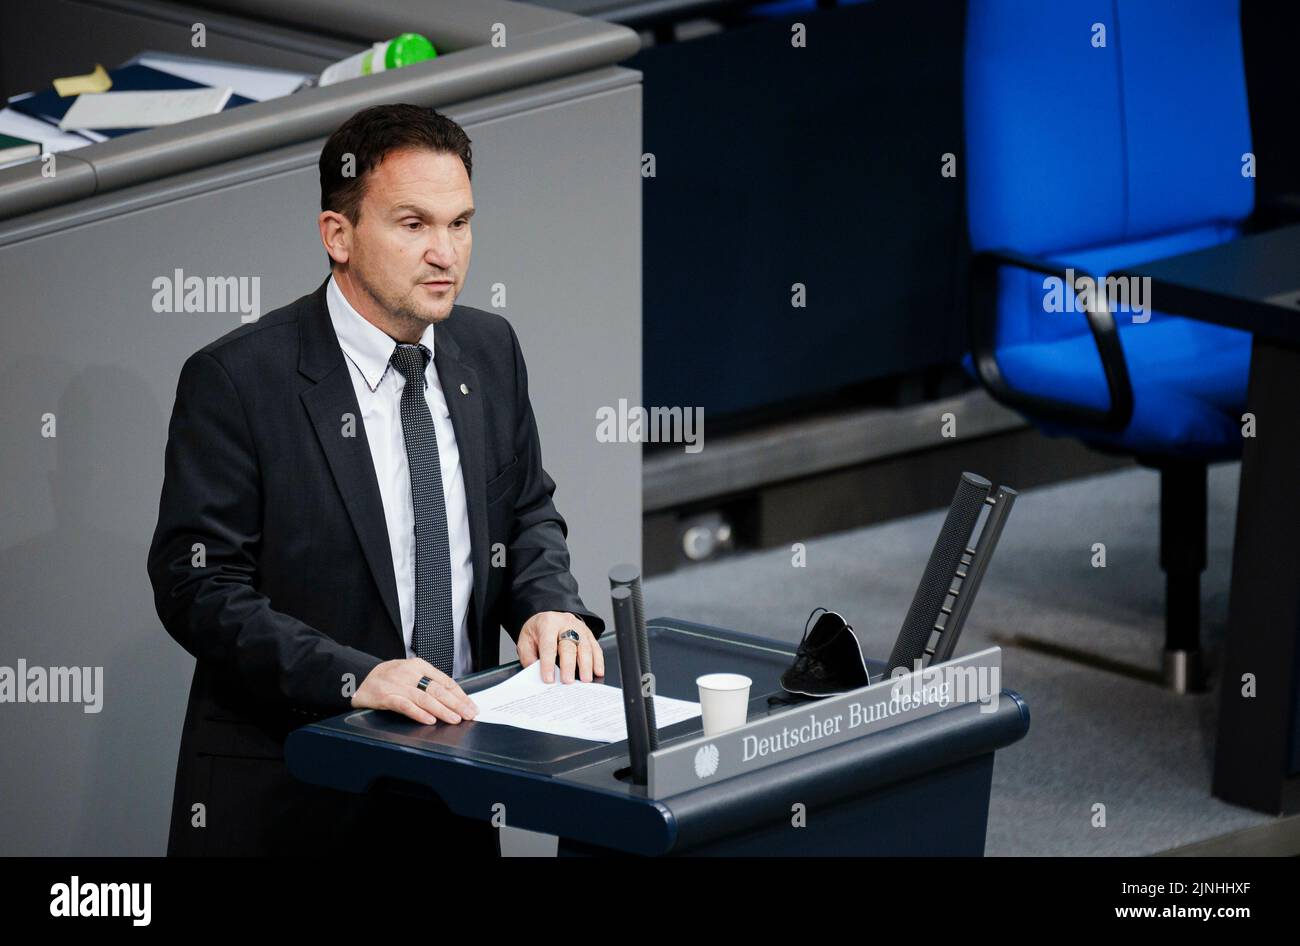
983	315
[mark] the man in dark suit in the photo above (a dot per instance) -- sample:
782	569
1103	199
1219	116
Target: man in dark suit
354	505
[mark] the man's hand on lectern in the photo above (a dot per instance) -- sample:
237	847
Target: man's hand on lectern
394	685
539	639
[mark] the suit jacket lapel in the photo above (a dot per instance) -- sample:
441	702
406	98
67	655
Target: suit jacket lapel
466	410
321	359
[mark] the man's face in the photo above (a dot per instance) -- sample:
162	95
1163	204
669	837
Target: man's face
410	248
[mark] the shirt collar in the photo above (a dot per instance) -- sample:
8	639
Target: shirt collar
367	345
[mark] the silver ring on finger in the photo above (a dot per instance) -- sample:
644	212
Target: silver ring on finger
570	635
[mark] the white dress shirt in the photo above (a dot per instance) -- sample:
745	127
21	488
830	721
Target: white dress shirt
366	350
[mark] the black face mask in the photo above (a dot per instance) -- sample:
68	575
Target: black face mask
829	661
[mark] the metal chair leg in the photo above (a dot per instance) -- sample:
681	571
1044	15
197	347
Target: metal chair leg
1182	556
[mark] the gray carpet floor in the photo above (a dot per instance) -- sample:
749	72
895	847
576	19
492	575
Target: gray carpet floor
1095	738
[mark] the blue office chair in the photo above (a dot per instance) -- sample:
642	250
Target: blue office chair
1101	134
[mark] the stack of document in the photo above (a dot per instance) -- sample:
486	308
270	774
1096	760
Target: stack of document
582	710
14	148
149	90
50	139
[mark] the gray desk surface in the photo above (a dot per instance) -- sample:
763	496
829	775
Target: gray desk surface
1251	284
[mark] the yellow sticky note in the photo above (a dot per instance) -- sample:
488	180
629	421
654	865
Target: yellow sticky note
97	81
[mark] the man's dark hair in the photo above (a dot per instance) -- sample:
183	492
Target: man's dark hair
369	136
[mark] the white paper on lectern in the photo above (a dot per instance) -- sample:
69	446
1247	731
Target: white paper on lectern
582	710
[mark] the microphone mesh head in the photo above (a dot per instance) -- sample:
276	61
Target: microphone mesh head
936	582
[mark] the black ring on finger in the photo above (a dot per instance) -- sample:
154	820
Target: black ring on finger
424	683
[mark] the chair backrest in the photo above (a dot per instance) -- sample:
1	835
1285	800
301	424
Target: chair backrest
1075	145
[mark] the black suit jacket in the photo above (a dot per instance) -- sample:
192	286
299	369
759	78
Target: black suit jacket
271	562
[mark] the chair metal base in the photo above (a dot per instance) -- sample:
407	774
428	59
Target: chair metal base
1182	671
1182	558
1185	672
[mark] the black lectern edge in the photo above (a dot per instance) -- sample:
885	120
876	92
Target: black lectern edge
580	803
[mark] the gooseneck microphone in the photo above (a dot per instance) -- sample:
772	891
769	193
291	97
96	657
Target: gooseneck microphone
629	577
955	571
629	665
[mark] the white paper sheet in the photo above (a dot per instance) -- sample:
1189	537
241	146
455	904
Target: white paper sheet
143	109
14	122
582	710
251	82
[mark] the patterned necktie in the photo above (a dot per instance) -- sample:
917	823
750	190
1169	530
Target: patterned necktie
433	637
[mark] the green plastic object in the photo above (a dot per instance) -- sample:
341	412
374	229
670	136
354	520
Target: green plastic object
407	50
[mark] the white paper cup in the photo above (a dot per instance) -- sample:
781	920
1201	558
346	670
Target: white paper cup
724	701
